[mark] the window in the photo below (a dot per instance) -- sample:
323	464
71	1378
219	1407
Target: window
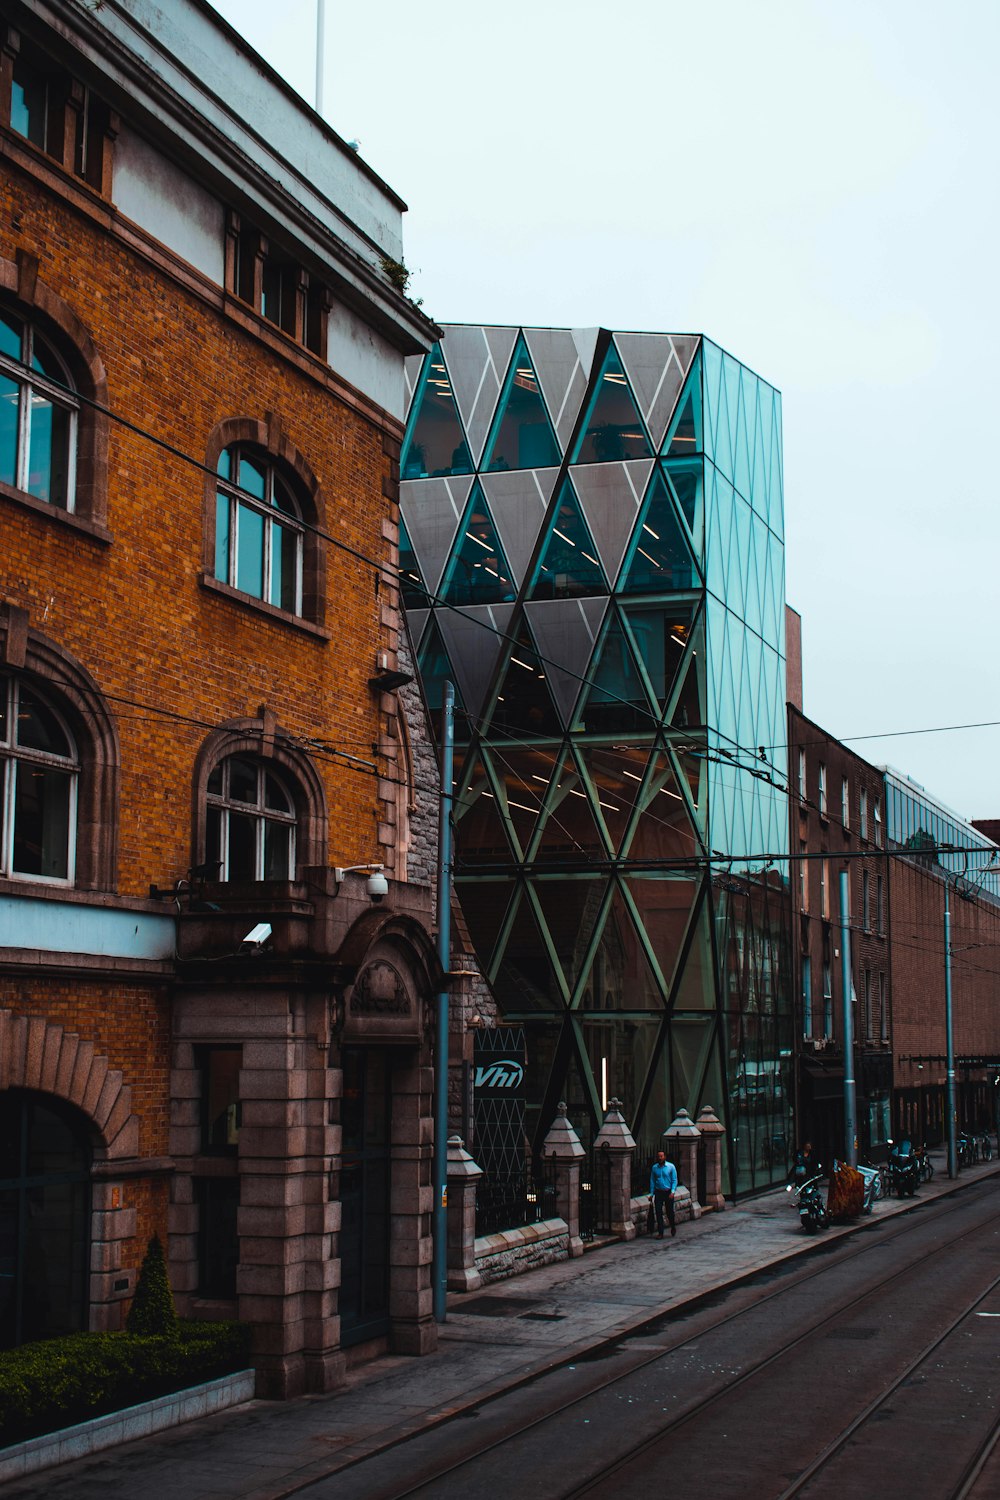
807	999
258	530
803	879
220	1100
866	915
877	819
803	784
218	1200
278	287
879	892
867	981
824	888
60	116
250	822
827	1000
863	813
845	803
822	788
38	784
38	415
883	1014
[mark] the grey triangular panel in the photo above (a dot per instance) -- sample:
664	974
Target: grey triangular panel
416	619
585	340
565	631
556	362
610	495
412	365
473	639
518	499
432	509
475	380
656	365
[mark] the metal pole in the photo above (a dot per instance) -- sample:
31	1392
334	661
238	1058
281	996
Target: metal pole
850	1097
439	1265
320	52
949	1042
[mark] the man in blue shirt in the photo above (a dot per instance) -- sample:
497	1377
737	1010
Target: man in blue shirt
662	1186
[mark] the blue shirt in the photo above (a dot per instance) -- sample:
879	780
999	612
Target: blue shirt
662	1179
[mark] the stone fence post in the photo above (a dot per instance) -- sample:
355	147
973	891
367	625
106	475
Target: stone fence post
615	1139
562	1147
681	1139
712	1131
463	1174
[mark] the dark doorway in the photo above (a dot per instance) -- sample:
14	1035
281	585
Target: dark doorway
365	1188
44	1217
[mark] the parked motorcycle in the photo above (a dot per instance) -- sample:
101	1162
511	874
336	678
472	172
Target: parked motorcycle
904	1169
811	1203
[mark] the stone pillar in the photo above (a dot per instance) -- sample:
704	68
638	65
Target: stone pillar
463	1174
562	1148
680	1141
712	1131
615	1139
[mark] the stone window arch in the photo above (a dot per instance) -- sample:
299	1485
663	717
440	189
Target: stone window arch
259	805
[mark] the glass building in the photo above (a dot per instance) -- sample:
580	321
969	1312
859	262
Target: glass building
920	826
591	549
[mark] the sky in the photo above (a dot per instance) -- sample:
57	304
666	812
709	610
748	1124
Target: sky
814	186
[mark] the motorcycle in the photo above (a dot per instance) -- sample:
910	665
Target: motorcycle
904	1169
811	1204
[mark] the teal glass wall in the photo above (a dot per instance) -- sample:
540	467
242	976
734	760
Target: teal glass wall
593	551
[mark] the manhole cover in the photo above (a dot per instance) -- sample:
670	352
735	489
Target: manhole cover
853	1333
497	1307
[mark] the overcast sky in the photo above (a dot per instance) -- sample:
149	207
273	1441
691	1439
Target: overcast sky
815	186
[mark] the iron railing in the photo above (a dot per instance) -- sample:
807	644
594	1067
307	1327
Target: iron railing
510	1199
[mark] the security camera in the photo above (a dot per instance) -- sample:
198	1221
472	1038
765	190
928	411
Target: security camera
257	936
377	886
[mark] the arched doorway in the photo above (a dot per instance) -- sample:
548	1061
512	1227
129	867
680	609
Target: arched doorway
44	1217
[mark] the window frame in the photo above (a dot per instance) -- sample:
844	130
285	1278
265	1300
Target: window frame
63	396
273	517
12	758
259	812
821	789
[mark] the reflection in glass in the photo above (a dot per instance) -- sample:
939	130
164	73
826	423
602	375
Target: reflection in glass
522	434
568	566
436	443
613	430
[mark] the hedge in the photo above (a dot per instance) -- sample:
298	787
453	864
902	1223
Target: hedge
59	1382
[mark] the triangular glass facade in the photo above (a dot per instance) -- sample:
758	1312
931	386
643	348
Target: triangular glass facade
610	602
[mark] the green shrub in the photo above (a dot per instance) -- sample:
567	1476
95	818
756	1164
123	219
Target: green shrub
61	1381
152	1313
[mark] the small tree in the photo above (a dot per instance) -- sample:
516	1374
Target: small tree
152	1313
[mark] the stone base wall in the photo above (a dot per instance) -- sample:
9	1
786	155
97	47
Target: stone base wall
514	1251
684	1209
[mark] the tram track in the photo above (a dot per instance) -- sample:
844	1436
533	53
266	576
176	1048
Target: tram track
430	1480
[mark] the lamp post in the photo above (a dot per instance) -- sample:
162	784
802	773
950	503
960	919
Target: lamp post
850	1095
439	1265
949	1043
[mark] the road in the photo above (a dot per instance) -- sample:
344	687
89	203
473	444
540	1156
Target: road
870	1367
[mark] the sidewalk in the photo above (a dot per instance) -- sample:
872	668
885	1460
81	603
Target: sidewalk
492	1341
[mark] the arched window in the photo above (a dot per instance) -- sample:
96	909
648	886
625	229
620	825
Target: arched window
39	771
250	821
38	415
258	529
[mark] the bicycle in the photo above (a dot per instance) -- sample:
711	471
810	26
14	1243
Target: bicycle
985	1147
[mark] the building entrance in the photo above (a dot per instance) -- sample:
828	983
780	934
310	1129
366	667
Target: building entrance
44	1217
365	1193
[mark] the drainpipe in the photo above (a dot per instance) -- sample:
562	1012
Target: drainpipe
439	1264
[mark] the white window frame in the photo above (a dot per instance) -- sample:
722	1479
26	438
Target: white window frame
821	781
863	812
845	802
258	811
12	758
272	516
29	382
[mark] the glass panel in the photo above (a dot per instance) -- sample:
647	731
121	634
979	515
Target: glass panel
437	443
481	835
225	463
683	439
613	429
45	360
214	783
484	906
222	509
38	728
686	480
478	573
242	847
617	702
281	497
11	332
410	579
277	851
661	637
436	670
250	551
48	451
218	1200
523	778
663	831
568	829
525	974
213	840
220	1092
275	796
28	104
9	397
618	1052
664	907
4	697
284	567
616	773
568	566
571	909
243	781
620	977
661	557
523	703
522	434
252	477
41	821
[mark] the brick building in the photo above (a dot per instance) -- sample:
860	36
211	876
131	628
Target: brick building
201	392
837	824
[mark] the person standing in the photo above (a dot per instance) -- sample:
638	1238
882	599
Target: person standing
662	1186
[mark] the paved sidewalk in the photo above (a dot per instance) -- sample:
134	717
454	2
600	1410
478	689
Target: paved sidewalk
492	1341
